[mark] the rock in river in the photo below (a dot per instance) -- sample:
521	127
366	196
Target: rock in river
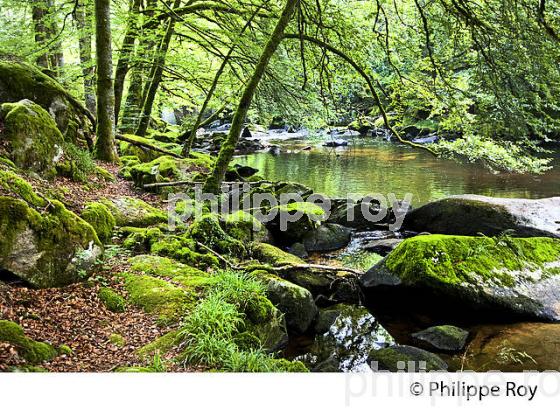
475	214
405	358
445	337
469	278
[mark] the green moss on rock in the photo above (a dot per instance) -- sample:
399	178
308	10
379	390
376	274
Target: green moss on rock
158	296
102	220
464	259
207	230
112	300
161	345
30	137
32	351
271	255
245	227
51	248
129	211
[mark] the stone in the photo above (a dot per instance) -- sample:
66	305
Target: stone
382	246
444	337
327	237
476	214
470	278
405	358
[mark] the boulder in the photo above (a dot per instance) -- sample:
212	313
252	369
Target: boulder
245	227
445	337
350	214
293	221
475	214
294	301
382	246
20	81
469	278
405	358
43	243
327	237
29	137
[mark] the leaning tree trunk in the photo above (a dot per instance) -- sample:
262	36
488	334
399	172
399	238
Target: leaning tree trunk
157	74
105	144
133	103
127	48
83	19
225	155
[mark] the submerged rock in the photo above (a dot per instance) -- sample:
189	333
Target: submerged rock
444	337
475	214
382	246
345	335
470	278
405	358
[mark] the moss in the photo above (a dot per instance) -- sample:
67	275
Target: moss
159	297
161	345
6	162
166	168
146	155
17	186
117	340
99	216
129	211
76	163
59	243
464	259
181	248
207	230
112	300
185	275
272	255
32	351
65	350
103	173
33	140
284	365
306	208
244	227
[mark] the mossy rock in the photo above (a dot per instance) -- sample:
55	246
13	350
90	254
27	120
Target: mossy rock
30	137
158	297
295	302
130	211
245	227
405	358
32	351
47	247
112	300
455	277
101	219
442	338
167	268
476	214
294	220
161	345
271	255
206	229
20	81
146	155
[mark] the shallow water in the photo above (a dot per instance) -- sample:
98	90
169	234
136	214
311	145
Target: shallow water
374	166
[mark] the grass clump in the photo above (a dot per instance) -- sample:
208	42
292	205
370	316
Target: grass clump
213	334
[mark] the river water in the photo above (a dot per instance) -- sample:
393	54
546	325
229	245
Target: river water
374	166
369	166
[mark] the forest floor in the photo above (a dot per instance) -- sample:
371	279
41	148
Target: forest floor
74	315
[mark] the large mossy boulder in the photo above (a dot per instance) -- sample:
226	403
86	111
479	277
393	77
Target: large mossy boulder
29	137
20	81
475	214
470	278
101	219
43	243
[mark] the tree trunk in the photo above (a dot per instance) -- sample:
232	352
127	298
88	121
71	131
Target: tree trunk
105	145
133	104
228	148
83	19
126	51
40	15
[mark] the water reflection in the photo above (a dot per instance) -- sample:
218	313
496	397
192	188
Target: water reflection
377	166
